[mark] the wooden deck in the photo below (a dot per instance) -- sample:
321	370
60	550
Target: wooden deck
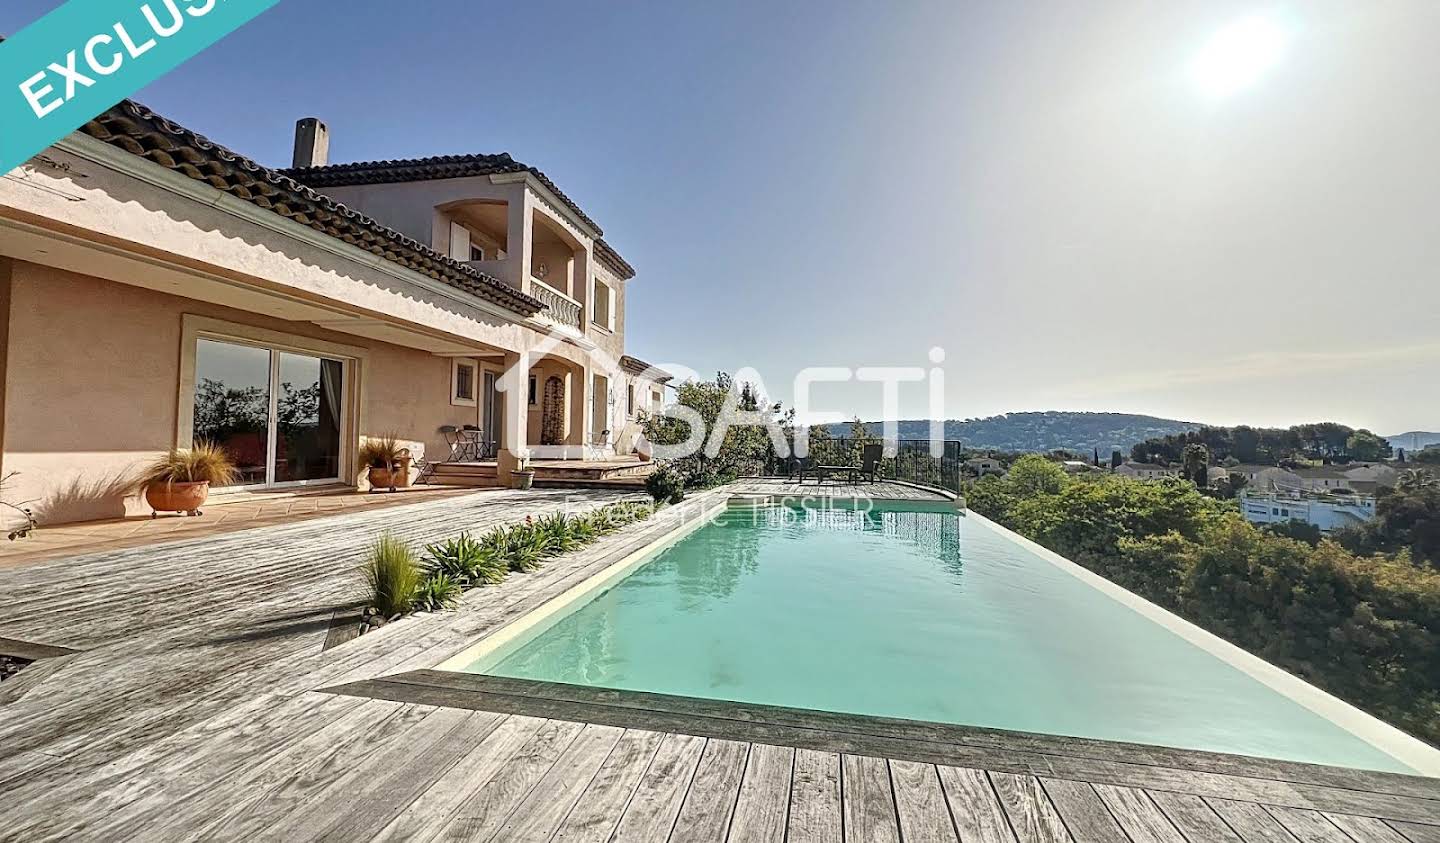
202	706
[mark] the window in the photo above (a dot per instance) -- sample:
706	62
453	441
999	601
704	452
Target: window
655	401
630	399
602	311
462	382
477	253
533	397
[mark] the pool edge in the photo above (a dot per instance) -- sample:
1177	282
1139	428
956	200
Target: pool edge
1400	745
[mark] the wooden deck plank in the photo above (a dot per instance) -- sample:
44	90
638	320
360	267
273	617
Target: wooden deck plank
1141	819
975	806
816	815
707	809
1083	811
868	800
275	786
763	803
346	797
600	807
1416	832
429	812
653	809
1195	819
1309	826
539	815
1032	817
1366	829
1252	822
920	803
492	799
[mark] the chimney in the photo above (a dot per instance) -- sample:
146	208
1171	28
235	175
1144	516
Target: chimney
312	143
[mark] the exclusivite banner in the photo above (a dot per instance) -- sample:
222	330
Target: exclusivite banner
87	55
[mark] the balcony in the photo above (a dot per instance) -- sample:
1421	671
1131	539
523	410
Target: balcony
563	310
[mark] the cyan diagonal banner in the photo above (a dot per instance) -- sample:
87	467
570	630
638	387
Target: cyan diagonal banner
88	55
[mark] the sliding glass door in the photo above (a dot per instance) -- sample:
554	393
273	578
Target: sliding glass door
279	414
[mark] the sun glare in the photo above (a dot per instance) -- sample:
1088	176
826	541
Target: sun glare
1238	55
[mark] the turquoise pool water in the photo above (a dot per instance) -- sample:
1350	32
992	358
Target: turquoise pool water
920	615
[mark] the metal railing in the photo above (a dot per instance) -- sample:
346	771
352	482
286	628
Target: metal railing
563	310
911	460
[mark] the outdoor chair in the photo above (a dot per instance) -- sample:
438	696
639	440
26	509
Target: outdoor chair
869	462
869	466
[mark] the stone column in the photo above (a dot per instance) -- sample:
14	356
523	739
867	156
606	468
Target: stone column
515	415
519	237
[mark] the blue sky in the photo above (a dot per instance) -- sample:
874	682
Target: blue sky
1040	189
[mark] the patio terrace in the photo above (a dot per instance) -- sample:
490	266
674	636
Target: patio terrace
203	704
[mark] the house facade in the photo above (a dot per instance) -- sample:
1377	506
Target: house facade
1145	471
158	289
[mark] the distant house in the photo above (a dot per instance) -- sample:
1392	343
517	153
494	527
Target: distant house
981	466
1328	512
1077	466
1377	473
1146	471
1268	478
1326	478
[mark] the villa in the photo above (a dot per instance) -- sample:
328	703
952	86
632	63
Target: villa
158	289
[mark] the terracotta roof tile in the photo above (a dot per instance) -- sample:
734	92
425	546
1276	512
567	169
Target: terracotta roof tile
143	133
427	169
611	258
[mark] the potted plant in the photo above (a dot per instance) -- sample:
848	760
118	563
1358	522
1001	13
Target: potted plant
180	480
523	476
382	457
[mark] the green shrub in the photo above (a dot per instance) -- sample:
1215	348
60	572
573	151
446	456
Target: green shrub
524	547
559	530
393	575
437	591
666	485
466	561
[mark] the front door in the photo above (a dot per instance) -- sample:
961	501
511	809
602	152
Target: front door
279	414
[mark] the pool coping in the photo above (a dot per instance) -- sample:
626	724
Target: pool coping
1406	748
1089	759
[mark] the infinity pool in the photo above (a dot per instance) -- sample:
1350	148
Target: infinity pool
914	614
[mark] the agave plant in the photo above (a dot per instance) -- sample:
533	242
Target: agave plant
525	546
558	528
468	562
393	575
380	451
437	591
583	530
203	462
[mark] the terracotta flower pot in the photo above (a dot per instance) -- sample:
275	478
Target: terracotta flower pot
177	497
385	478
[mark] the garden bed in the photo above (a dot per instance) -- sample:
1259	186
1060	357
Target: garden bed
403	582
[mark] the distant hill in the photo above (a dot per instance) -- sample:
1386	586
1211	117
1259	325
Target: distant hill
1045	431
1415	440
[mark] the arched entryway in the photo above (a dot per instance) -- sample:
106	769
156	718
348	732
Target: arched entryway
552	412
